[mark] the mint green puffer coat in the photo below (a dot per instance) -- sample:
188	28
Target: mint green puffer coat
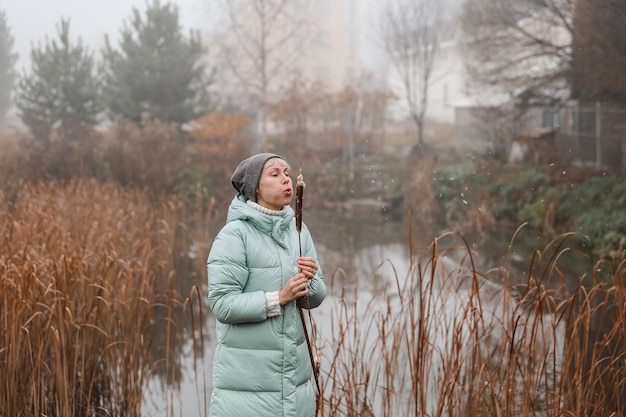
261	365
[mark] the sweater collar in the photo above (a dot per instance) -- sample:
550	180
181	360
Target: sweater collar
265	210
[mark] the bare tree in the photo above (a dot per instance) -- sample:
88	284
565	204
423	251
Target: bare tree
411	31
516	46
260	46
312	116
599	56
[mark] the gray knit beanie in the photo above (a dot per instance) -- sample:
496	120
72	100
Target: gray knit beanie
246	177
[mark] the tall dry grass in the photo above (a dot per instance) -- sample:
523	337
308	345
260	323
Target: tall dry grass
87	288
444	340
86	278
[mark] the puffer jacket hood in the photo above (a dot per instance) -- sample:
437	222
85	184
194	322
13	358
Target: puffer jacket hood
275	226
261	365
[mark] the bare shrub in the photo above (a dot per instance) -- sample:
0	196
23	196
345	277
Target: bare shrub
150	155
30	159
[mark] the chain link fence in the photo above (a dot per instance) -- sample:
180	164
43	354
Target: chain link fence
592	134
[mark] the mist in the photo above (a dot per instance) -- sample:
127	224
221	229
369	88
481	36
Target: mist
31	21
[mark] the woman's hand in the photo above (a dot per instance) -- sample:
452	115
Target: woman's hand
308	266
294	288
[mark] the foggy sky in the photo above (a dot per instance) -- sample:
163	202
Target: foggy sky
31	21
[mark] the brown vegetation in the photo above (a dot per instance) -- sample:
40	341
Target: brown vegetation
445	341
88	283
86	273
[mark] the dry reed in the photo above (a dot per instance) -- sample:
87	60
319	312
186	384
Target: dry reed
445	340
86	273
85	276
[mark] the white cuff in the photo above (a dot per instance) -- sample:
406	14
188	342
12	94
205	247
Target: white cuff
272	304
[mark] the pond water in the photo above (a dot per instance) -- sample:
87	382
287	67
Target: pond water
366	250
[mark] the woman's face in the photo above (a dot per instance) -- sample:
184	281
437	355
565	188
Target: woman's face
275	186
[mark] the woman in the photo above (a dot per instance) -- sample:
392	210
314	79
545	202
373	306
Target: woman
257	281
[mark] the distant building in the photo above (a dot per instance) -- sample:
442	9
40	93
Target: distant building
328	46
335	54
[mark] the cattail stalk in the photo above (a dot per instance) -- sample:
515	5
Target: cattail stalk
299	195
299	200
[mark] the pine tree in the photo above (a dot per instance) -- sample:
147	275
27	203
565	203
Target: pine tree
7	66
61	92
156	71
